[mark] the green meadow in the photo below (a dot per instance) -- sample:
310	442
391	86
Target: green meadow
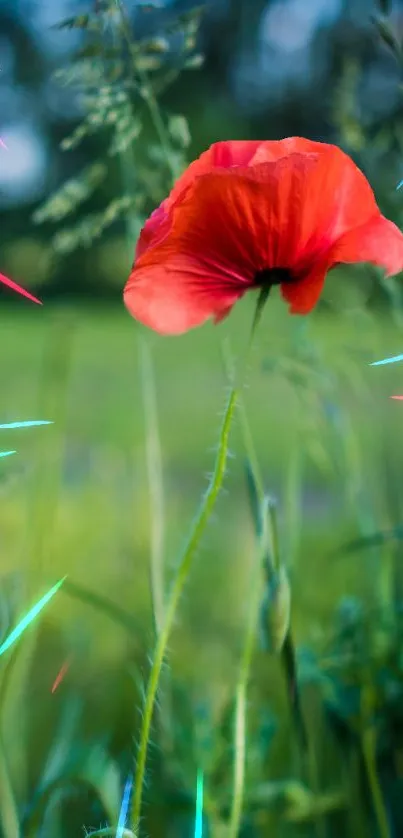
79	499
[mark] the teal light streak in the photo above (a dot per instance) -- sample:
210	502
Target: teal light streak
199	805
392	360
124	808
6	453
29	617
31	423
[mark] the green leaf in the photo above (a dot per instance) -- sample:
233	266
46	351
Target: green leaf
388	37
178	128
74	139
148	63
87	767
127	130
93	225
159	45
276	610
77	22
71	195
377	539
254	499
111	831
194	62
102	604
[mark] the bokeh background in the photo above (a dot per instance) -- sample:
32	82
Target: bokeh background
77	498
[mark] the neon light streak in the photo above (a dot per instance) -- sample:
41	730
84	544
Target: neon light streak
30	617
30	423
10	284
393	360
199	805
124	808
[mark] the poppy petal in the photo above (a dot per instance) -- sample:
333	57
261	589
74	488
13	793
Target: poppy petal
245	219
229	225
303	294
175	293
220	155
154	230
337	198
270	150
378	241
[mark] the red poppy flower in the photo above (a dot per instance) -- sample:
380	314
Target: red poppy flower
249	214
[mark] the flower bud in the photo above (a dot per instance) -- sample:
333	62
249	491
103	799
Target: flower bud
275	611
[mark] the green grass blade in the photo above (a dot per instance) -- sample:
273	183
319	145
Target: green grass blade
154	470
376	539
8	810
110	831
102	604
202	519
241	698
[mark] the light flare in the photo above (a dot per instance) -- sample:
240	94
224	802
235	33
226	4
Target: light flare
199	804
393	360
60	675
121	828
13	285
30	423
30	617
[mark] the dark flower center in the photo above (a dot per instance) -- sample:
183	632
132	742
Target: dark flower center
272	276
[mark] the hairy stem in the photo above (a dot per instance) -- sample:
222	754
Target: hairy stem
170	611
185	564
241	700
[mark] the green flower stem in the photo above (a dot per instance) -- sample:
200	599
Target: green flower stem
288	651
368	742
185	564
241	698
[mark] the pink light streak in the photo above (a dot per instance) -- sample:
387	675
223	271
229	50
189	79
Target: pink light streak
3	145
13	285
59	677
398	398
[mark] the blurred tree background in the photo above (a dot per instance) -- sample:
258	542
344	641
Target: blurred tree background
117	477
272	68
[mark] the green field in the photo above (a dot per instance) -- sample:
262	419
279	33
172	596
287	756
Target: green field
75	500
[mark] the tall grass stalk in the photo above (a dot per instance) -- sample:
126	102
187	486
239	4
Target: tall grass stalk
155	482
148	95
241	694
9	819
8	809
157	519
368	745
185	564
